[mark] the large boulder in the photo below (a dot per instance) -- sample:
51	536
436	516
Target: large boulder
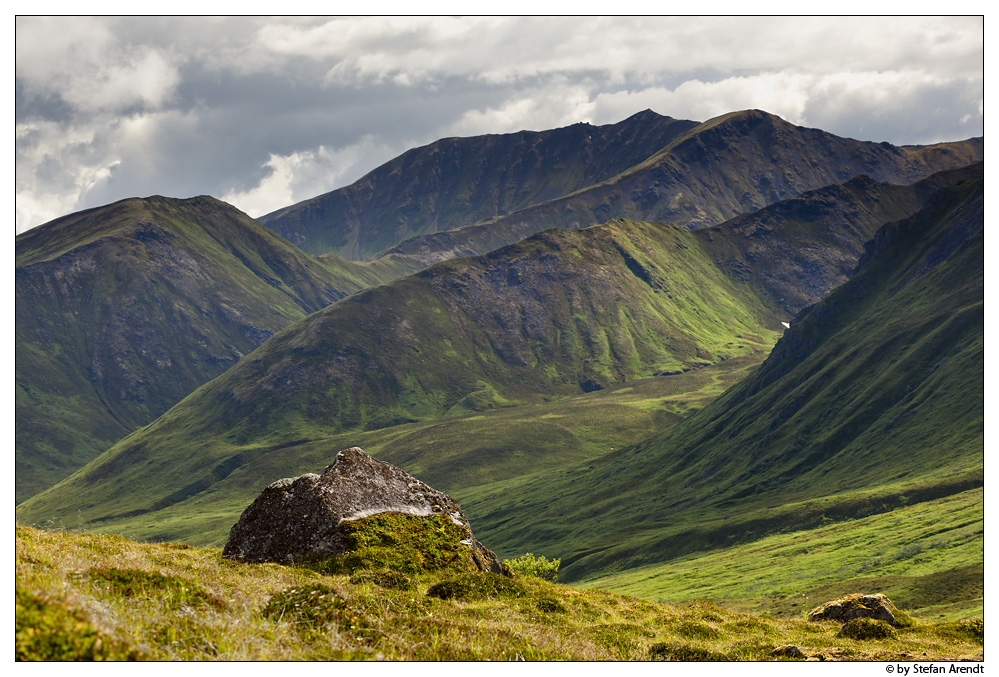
858	605
314	518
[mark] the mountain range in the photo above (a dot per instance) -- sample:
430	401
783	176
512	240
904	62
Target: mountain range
559	328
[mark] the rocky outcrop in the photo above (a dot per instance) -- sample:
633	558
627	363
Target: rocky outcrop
299	520
857	605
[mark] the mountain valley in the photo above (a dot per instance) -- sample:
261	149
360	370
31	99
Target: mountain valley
653	349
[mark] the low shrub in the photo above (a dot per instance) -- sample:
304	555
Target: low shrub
971	628
47	631
385	578
405	543
538	567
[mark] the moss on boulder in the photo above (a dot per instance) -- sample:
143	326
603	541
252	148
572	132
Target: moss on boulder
360	513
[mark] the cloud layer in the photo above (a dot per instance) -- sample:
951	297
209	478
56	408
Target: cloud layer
267	112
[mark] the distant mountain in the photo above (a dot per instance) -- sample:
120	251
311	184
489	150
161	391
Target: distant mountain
457	181
123	310
469	196
560	313
871	401
727	166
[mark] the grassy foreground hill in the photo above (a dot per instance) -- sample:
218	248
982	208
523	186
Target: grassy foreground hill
123	310
92	597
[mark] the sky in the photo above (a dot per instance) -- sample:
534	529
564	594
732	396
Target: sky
265	112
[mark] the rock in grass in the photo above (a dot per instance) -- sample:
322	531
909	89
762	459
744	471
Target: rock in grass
320	518
857	605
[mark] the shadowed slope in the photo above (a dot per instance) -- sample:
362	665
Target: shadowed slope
123	310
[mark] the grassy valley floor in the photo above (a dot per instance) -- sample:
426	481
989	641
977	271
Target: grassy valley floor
928	558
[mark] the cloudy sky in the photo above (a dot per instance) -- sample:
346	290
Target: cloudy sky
265	112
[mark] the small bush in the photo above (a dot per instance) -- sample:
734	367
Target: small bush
406	543
868	628
470	587
673	651
550	605
538	567
695	630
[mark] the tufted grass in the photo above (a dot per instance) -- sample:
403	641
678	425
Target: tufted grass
98	597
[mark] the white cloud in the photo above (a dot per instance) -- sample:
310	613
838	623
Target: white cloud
82	63
263	108
299	176
556	105
782	94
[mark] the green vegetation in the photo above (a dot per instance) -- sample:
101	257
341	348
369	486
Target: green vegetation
928	558
871	402
600	307
273	612
448	454
401	543
536	566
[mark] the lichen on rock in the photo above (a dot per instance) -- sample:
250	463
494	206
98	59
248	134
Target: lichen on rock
358	513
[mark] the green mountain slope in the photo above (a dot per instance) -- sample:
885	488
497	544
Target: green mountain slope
123	310
559	314
724	167
454	182
871	401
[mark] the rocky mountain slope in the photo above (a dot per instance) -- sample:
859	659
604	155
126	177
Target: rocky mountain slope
123	310
701	175
457	181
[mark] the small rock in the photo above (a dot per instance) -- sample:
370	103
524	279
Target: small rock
857	605
788	651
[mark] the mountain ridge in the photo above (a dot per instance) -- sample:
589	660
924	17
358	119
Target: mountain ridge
459	180
717	170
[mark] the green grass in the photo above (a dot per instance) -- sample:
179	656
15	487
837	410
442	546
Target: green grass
872	401
928	558
273	612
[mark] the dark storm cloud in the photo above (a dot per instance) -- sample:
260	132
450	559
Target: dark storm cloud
266	111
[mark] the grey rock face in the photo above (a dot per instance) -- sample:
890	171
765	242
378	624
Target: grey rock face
298	519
